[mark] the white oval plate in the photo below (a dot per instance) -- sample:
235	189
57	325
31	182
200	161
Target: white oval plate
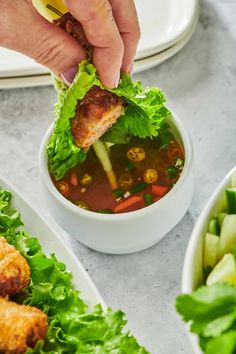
36	225
163	23
192	269
158	58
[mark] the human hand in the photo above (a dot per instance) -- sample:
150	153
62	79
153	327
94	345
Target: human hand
110	26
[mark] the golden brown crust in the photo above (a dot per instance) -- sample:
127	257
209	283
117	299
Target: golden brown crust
72	26
96	113
20	327
14	270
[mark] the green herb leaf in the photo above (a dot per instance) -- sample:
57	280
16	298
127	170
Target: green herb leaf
211	312
117	135
146	109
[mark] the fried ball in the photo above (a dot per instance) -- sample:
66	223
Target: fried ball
20	327
14	270
95	114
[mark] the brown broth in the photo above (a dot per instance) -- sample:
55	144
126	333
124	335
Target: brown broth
98	195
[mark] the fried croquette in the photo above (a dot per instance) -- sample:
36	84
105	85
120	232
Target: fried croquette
99	109
14	270
95	114
20	327
72	26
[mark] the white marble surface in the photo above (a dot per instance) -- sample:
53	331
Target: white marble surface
200	83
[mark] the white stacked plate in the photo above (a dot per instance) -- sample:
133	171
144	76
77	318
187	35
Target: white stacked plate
166	27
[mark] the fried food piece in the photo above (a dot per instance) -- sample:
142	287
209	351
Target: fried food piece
99	109
14	270
95	114
72	26
20	327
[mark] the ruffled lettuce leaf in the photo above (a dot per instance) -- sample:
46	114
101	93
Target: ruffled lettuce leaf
211	313
73	328
4	199
11	220
144	115
62	151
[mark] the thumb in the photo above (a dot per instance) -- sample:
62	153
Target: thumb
23	29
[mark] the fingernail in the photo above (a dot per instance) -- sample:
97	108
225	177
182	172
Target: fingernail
131	70
69	75
117	80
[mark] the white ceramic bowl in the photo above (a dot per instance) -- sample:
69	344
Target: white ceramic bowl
126	232
192	276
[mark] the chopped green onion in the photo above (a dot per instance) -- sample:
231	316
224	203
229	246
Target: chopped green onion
171	171
214	227
118	193
179	163
138	188
104	211
130	166
148	199
231	200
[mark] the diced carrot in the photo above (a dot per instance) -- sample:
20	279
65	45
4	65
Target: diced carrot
74	179
127	203
159	190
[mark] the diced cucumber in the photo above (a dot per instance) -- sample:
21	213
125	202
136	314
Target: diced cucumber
233	180
210	256
227	235
231	200
224	271
214	227
221	217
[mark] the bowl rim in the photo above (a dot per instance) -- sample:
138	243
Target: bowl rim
186	285
188	147
188	266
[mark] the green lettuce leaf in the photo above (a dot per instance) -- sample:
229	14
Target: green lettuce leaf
4	199
144	115
73	328
63	154
10	220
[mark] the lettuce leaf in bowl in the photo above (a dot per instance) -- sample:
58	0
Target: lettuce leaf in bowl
144	115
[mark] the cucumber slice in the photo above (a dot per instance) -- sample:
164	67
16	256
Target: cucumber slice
210	255
231	200
224	271
220	218
227	235
214	227
233	180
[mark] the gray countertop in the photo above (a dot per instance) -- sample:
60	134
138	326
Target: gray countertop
200	84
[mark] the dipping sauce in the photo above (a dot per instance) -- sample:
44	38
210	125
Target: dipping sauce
144	172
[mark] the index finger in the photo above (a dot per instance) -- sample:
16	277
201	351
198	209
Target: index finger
102	33
126	18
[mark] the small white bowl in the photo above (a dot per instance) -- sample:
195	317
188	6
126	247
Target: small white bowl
126	232
192	276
